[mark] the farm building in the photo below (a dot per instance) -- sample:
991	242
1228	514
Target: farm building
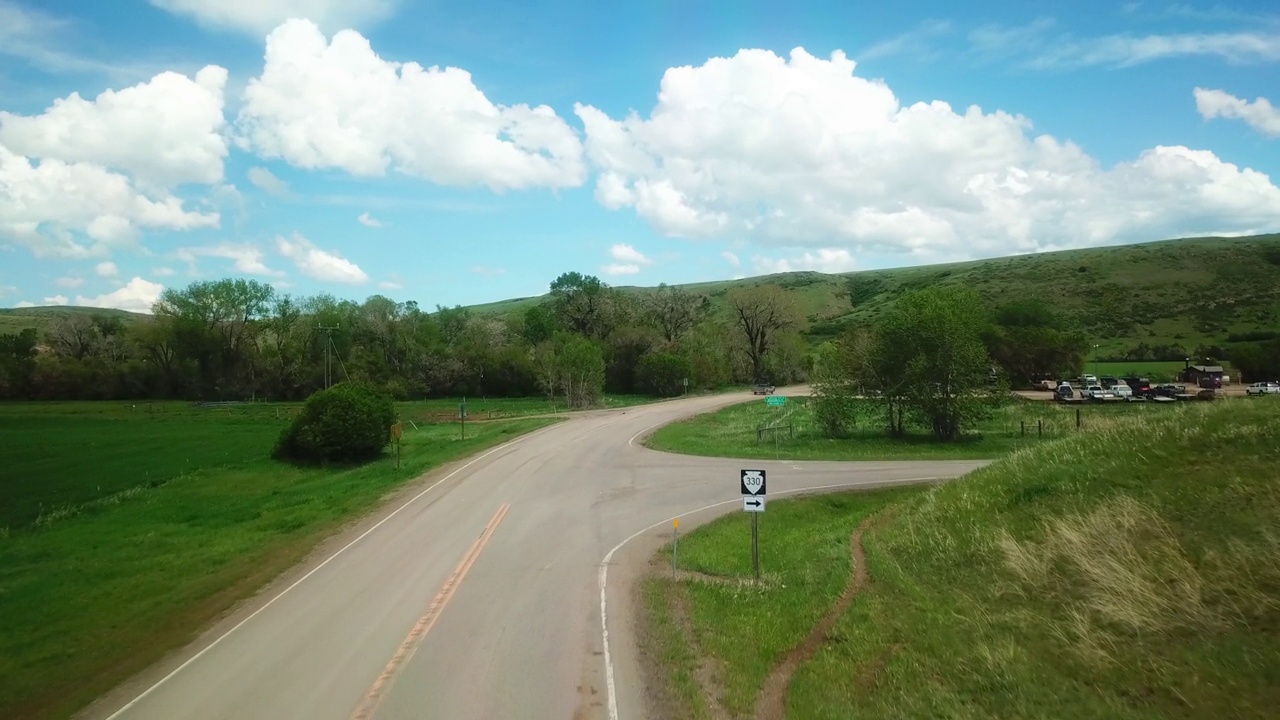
1199	373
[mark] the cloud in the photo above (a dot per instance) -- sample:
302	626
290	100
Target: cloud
390	285
801	152
625	253
915	43
320	264
488	271
620	269
164	132
87	176
369	221
50	44
1036	47
731	258
258	17
107	269
56	300
69	282
163	272
826	260
1260	114
137	295
266	181
246	258
24	304
321	104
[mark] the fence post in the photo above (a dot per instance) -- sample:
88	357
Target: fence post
1077	418
1024	428
1040	424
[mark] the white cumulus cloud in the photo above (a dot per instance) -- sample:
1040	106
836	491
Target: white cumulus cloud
322	104
265	180
319	264
1260	114
257	17
137	295
368	220
827	260
57	300
731	258
69	282
800	152
163	133
245	258
620	269
107	269
628	254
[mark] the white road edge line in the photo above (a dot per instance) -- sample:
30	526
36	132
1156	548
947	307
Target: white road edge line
630	443
317	568
604	567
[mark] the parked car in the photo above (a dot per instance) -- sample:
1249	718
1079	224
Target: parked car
1139	385
1090	380
1097	392
1169	390
1109	381
1210	383
762	389
1065	391
1263	388
1121	390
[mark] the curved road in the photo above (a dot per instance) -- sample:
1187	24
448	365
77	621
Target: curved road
480	593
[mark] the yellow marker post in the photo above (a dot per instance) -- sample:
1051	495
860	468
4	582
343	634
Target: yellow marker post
675	547
397	432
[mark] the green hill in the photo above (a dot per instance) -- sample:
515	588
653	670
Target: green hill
1190	292
14	320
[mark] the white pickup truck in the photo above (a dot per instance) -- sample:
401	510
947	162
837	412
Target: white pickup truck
1097	392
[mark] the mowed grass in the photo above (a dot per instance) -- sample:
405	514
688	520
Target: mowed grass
103	588
732	432
1058	582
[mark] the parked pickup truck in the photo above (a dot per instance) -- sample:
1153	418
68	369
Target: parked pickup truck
1097	392
762	389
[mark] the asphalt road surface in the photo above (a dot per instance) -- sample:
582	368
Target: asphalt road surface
480	592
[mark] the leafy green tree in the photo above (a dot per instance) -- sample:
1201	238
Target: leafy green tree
935	335
761	314
583	304
539	324
662	373
673	310
580	365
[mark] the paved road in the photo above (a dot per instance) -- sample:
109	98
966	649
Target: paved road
480	598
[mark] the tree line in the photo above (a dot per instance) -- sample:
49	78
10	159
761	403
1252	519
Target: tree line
237	339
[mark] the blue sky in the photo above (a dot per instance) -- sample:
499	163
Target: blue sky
465	152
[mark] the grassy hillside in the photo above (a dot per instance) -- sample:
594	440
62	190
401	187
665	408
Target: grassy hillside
14	320
1062	581
1189	292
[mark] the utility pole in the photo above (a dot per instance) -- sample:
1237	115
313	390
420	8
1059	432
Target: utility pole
328	343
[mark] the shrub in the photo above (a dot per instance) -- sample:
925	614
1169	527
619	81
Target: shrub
662	373
349	422
834	408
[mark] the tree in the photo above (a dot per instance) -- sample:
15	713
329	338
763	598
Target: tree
1029	343
662	374
673	311
935	335
761	313
583	304
538	324
348	422
580	363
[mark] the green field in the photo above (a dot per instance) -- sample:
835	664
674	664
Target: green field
128	530
1061	581
732	432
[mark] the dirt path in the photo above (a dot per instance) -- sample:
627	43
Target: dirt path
772	702
708	672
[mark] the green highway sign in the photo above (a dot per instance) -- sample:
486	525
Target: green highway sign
775	400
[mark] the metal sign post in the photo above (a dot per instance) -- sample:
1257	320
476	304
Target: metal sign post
462	416
675	547
753	501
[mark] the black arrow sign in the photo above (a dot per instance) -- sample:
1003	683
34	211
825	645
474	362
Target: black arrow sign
754	503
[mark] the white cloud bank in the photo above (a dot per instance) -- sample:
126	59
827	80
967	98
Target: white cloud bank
368	220
138	295
627	260
320	264
800	152
245	258
337	104
827	260
87	176
1260	114
265	180
258	17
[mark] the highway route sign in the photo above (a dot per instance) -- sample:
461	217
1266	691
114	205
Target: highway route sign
753	482
753	503
775	400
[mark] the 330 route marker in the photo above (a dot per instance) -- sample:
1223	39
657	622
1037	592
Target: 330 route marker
753	482
753	492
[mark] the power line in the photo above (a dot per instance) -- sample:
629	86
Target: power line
328	362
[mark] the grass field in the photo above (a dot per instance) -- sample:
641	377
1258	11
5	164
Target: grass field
160	521
732	432
1058	582
1153	371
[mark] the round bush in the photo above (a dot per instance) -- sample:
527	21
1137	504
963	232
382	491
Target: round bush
349	422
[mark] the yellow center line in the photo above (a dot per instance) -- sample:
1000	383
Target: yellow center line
369	704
